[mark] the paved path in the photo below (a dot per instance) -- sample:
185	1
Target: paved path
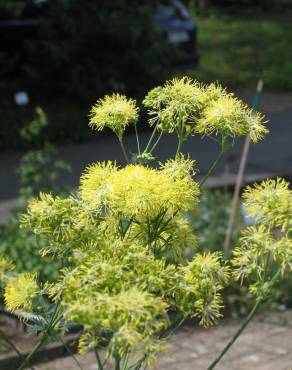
265	345
274	155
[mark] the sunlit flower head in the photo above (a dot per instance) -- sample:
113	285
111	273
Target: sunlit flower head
199	293
138	190
179	167
115	112
270	202
20	291
229	117
173	104
132	315
213	92
94	182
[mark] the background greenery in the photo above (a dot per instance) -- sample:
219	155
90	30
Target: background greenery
64	74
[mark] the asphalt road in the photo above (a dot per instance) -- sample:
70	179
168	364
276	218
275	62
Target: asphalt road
273	155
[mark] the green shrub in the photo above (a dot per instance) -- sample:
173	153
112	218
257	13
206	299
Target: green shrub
37	172
86	47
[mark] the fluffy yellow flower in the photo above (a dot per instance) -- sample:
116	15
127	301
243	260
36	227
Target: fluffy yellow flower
228	116
20	291
271	203
115	112
139	191
174	103
94	185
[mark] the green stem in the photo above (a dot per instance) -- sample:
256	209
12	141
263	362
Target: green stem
117	362
236	335
244	324
151	137
34	350
174	327
137	139
156	142
139	363
124	149
41	340
98	360
214	164
180	142
125	361
5	338
70	352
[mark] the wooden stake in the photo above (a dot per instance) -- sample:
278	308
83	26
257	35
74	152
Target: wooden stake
240	175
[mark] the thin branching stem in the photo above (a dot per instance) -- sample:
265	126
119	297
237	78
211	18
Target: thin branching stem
151	137
42	340
156	142
125	361
98	360
137	139
224	147
70	353
124	149
6	339
236	335
117	362
180	142
243	325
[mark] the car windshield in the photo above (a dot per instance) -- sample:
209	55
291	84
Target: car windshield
170	9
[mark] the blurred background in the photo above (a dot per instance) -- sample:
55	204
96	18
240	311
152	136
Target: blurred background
62	55
57	57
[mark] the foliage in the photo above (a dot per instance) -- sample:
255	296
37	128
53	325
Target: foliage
210	220
60	54
240	45
37	171
130	256
265	247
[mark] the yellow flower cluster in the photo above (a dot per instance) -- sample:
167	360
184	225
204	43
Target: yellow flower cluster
270	203
229	117
130	253
184	105
115	112
138	191
175	104
20	291
267	245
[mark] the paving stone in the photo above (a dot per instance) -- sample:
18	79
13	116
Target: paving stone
263	346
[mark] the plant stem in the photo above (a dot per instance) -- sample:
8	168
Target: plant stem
117	362
34	350
180	142
236	335
125	361
70	352
5	338
41	340
214	164
156	142
98	360
244	324
137	139
151	137
124	149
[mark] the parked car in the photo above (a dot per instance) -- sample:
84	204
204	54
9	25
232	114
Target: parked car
171	17
178	27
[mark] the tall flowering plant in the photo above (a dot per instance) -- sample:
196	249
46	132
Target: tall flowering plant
131	270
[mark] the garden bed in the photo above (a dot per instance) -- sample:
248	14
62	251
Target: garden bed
17	332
